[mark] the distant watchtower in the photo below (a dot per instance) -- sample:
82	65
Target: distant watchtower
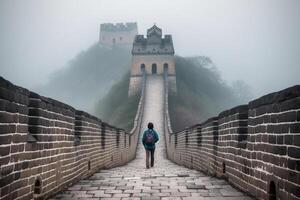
117	34
152	55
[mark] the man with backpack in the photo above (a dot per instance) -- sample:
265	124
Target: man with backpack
150	137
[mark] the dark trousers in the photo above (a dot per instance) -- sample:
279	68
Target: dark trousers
150	154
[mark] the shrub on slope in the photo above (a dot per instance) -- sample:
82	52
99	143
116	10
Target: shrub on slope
116	107
201	93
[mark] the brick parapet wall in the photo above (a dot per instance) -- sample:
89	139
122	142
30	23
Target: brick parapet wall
256	147
46	145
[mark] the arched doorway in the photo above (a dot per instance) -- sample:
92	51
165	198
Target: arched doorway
37	187
154	68
272	191
143	68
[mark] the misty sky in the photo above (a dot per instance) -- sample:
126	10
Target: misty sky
253	40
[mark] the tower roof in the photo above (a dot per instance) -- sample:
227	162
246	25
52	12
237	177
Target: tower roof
154	30
154	43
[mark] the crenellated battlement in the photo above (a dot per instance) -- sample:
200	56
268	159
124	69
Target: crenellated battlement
119	34
110	27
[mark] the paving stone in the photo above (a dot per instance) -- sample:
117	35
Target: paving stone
107	188
151	184
193	186
124	188
193	198
180	194
196	194
150	191
170	190
83	195
113	191
187	190
89	188
121	195
163	194
99	194
214	187
78	192
160	187
132	191
150	198
230	193
141	195
171	198
142	188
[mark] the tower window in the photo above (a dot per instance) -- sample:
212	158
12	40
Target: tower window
120	38
143	68
154	68
166	66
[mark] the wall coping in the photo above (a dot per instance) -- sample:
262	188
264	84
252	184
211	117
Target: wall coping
276	97
234	110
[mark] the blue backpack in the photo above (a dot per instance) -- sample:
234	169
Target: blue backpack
149	137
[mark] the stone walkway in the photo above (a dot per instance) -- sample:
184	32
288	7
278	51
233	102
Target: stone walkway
165	180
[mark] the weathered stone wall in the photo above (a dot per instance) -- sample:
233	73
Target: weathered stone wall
46	145
256	147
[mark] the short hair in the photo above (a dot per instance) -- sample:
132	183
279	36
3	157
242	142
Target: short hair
150	125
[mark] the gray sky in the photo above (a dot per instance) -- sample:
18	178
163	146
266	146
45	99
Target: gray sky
253	40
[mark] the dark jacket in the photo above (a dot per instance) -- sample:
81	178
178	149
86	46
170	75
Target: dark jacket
156	138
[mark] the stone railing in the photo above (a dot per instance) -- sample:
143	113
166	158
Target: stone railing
256	147
46	145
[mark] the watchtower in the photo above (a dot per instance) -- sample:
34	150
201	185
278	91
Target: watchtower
153	55
117	34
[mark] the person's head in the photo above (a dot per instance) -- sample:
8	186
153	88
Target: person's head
150	125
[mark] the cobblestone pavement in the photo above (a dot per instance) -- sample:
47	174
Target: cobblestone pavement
165	180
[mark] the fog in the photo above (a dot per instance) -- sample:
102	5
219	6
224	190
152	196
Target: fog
256	41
